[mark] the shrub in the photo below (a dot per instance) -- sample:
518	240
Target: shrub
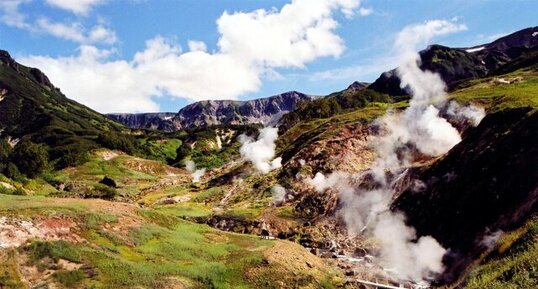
19	192
69	278
13	172
102	192
31	159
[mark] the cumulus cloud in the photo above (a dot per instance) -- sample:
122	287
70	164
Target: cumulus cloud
261	152
196	175
76	6
197	46
251	46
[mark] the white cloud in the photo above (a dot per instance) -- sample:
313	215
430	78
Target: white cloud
197	46
299	33
76	32
365	11
11	15
251	46
76	6
72	31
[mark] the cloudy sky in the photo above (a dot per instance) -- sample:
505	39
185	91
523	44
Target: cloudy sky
159	55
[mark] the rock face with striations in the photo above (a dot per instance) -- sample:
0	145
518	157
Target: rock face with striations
458	64
266	111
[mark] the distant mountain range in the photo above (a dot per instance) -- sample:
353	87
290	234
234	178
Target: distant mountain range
266	111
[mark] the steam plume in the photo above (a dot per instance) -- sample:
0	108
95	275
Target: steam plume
261	151
419	130
196	175
279	194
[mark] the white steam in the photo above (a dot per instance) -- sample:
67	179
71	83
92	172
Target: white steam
491	238
471	113
417	132
279	194
410	257
261	152
196	175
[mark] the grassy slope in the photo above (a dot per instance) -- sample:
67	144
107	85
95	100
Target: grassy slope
512	263
151	249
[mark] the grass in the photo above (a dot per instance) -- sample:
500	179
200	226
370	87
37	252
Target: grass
159	249
513	263
9	275
500	97
69	278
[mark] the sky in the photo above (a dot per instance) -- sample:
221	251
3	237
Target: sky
160	55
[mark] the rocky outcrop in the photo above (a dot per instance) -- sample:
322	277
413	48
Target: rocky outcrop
266	111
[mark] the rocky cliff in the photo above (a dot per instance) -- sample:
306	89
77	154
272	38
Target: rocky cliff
266	111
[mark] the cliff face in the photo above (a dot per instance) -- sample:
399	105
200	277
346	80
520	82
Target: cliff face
266	111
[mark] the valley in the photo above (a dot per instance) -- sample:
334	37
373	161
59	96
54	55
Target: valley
88	202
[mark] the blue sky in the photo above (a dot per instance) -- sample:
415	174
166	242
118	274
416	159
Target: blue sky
159	55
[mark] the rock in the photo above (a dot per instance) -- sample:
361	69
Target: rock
108	182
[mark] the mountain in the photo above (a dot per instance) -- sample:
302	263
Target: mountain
216	112
34	110
156	121
458	64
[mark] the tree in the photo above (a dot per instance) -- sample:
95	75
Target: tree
31	159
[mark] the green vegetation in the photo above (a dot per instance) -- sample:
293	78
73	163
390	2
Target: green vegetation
9	275
520	93
334	104
69	278
512	263
201	146
149	248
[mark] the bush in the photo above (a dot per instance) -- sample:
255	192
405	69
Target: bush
5	191
12	172
69	278
117	141
101	191
31	159
19	192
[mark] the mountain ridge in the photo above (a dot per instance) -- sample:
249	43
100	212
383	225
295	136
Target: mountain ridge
458	64
204	113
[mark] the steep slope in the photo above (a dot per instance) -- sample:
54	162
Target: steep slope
218	112
458	64
33	109
487	183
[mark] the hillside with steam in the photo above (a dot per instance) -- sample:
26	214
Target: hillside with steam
427	177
